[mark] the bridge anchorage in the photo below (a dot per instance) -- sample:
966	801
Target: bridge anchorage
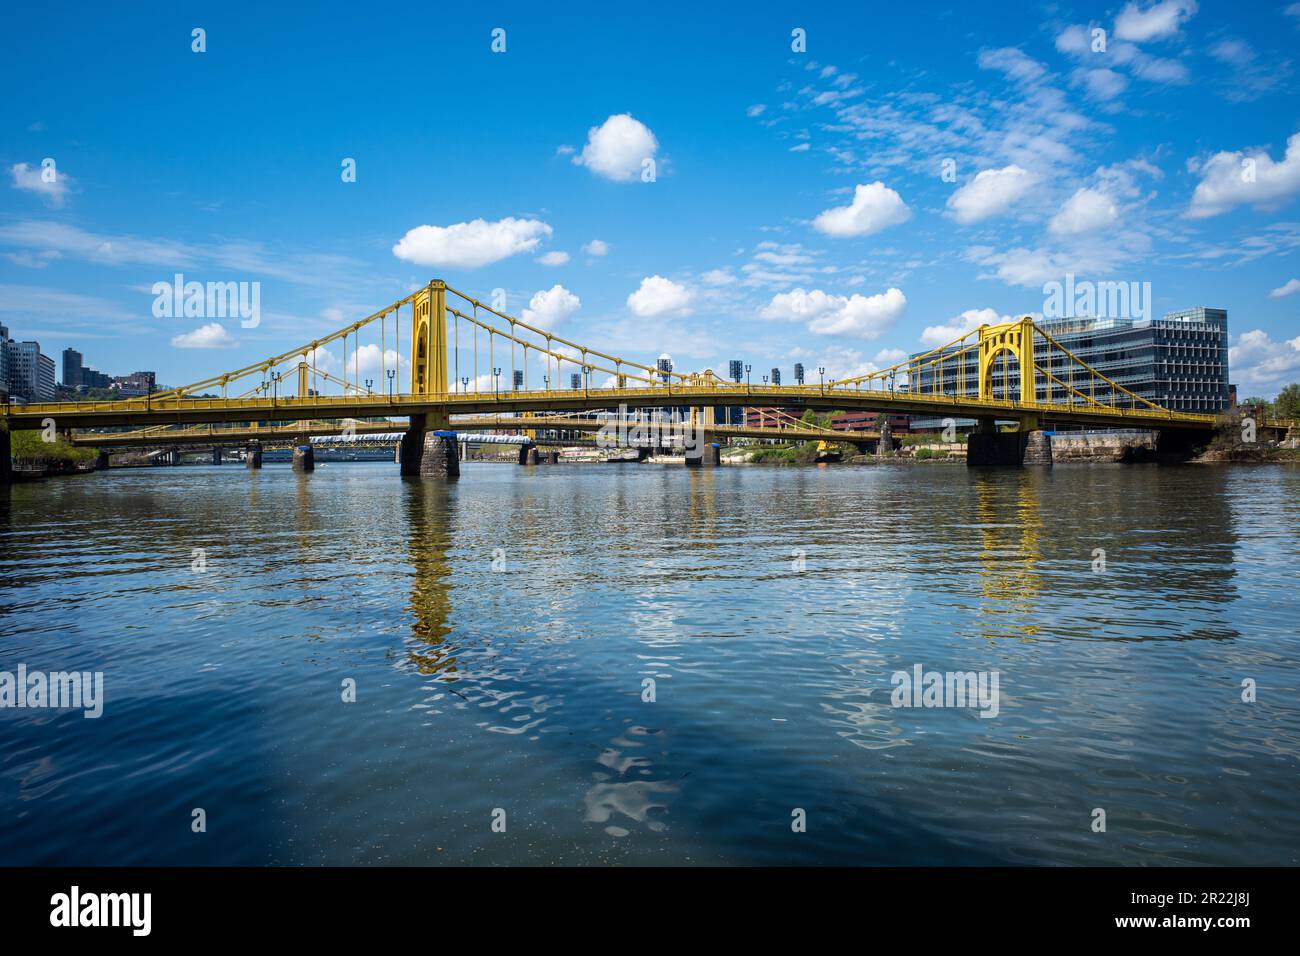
445	361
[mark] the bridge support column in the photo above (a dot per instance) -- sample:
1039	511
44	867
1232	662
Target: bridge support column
216	454
174	456
987	446
885	446
531	457
643	452
710	456
304	456
411	450
6	457
441	455
1038	448
523	453
101	460
253	455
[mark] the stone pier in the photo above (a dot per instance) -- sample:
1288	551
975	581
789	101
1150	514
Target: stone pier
216	455
1038	448
101	460
253	455
304	456
523	453
885	446
710	456
441	455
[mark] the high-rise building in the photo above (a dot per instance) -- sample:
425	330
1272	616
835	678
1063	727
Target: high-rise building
737	368
575	380
665	366
71	368
4	364
519	379
776	376
1179	362
31	374
798	373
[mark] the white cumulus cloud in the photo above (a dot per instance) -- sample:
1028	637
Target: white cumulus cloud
51	186
874	207
554	258
548	308
991	193
1155	22
1086	211
596	247
1258	363
934	336
469	245
1231	179
861	316
210	336
616	148
1289	288
658	296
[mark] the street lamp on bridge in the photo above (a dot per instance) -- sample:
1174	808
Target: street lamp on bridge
496	381
369	383
747	368
392	373
464	383
821	374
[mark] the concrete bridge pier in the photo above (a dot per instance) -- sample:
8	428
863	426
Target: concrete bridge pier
986	446
523	453
411	450
216	454
710	456
174	456
101	460
441	455
253	455
304	456
1038	448
885	445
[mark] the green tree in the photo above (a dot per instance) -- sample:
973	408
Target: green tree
1287	404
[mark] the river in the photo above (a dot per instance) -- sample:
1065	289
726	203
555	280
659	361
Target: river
644	664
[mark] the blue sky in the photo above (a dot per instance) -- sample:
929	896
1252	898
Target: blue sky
799	209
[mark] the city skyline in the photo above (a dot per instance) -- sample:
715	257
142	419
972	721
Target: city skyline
832	207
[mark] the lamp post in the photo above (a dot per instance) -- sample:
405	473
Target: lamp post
369	383
275	385
496	382
392	373
546	383
747	368
464	383
821	374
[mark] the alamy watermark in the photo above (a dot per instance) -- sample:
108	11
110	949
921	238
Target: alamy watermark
208	300
1085	299
57	690
643	430
967	689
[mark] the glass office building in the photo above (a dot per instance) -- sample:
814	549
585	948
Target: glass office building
1179	361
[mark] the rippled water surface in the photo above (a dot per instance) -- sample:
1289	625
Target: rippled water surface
518	685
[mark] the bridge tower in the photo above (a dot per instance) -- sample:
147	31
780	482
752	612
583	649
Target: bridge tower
1016	339
429	340
429	448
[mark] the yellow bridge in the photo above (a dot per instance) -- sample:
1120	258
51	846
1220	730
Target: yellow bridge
438	356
